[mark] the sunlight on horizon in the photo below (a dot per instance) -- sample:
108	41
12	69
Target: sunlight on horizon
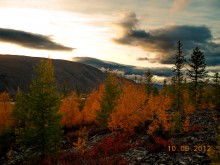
88	35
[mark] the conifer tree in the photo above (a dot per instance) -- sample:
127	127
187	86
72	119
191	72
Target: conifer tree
108	101
148	82
42	126
178	72
197	71
216	87
19	115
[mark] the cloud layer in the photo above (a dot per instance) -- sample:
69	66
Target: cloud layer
30	40
179	5
162	41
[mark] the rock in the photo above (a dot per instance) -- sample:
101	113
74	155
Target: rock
139	159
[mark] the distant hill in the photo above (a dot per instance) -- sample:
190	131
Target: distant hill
16	71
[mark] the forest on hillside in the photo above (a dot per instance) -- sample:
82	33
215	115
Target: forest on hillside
115	119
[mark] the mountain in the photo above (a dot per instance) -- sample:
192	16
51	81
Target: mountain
17	71
126	69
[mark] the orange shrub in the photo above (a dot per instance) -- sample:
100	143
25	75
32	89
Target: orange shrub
70	111
130	109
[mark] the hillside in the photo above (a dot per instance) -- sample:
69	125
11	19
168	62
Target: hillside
16	71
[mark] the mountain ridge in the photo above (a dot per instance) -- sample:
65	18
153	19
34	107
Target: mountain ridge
17	71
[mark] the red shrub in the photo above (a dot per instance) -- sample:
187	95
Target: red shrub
197	128
160	141
104	152
109	146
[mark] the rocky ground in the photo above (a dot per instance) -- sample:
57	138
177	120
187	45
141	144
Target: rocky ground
185	149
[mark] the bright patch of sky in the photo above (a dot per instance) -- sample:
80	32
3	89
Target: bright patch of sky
87	27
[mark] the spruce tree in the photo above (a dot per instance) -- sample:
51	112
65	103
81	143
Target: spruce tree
197	71
42	126
148	81
216	88
178	72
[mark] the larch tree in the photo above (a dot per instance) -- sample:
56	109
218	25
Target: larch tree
70	110
197	71
108	101
19	115
130	111
5	121
178	72
5	111
92	105
43	127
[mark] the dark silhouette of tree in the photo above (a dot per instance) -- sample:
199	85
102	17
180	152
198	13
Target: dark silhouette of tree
148	81
197	71
216	87
178	72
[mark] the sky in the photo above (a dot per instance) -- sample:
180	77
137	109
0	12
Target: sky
141	33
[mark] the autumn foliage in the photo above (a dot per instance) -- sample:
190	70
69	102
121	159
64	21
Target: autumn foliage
157	107
70	111
5	111
92	104
131	110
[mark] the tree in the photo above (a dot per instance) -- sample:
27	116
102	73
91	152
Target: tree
108	101
5	121
197	71
42	125
157	107
71	111
178	71
5	111
148	82
92	105
19	115
216	88
130	111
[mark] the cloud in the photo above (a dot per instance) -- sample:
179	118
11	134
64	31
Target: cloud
162	41
30	40
121	68
179	5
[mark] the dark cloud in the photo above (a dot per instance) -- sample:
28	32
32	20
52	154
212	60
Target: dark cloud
162	41
30	40
126	69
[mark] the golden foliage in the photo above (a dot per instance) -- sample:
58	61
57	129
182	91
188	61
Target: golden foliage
130	109
5	111
186	125
156	107
188	106
70	111
82	139
92	104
